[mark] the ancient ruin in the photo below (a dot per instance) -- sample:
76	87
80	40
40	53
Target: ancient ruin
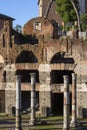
39	49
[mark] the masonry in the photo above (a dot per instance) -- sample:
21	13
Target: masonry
39	50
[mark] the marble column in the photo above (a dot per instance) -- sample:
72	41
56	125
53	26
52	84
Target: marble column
74	119
66	123
33	98
18	103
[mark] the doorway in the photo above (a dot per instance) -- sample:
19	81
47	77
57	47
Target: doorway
57	103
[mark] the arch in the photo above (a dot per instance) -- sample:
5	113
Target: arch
26	57
59	58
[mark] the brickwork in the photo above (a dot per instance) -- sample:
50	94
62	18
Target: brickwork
49	54
82	105
45	101
46	30
45	89
10	98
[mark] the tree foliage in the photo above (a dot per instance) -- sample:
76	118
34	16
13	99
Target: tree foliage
18	28
66	10
83	19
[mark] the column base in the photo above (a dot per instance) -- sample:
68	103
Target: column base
18	129
32	122
74	124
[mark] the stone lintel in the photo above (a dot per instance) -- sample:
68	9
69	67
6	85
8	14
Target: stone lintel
44	68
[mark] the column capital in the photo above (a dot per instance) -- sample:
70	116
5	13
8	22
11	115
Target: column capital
66	78
74	76
18	77
33	74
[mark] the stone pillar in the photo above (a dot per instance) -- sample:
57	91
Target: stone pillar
74	119
33	98
18	103
10	88
66	124
44	90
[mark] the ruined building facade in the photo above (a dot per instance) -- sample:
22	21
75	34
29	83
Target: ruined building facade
39	50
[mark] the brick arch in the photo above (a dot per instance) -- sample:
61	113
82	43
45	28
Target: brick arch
56	58
73	53
57	48
26	57
51	51
59	58
76	55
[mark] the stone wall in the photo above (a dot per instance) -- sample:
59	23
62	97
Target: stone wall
44	51
81	104
2	101
10	101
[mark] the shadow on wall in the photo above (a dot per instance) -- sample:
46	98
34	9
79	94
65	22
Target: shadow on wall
26	57
59	58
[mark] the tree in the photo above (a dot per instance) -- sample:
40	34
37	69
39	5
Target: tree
66	10
83	20
18	28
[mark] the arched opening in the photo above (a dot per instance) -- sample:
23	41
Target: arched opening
26	57
57	74
59	58
57	80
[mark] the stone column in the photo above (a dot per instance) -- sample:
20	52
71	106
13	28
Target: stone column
74	120
66	124
33	98
18	103
10	87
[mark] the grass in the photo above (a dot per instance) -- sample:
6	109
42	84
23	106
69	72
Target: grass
53	118
43	123
3	115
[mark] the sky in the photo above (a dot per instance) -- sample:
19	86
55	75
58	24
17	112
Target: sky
21	10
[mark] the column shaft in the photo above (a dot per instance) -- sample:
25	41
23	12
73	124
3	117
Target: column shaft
73	121
66	104
33	98
18	103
